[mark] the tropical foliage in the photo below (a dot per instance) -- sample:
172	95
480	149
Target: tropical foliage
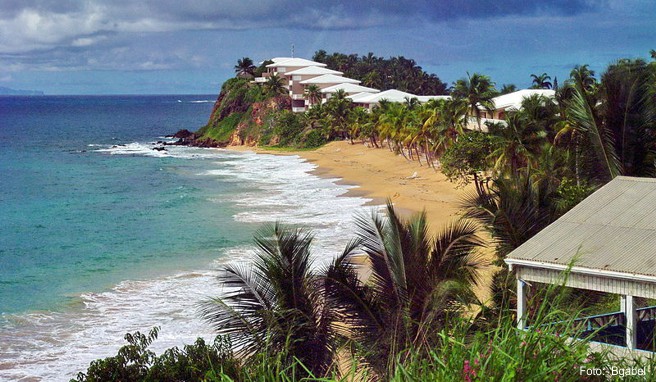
410	316
392	73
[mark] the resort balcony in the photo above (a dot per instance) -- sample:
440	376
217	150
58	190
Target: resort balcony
298	109
260	80
298	96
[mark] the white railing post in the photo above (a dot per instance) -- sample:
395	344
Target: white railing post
521	304
631	324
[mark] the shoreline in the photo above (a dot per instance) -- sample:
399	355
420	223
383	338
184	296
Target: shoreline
380	174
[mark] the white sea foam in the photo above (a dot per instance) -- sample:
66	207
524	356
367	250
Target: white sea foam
54	346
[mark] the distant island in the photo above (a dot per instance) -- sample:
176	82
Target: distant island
9	91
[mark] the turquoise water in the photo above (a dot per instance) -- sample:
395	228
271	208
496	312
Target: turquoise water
75	220
102	235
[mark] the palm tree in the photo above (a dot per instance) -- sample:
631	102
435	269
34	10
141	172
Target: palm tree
313	94
338	108
542	81
276	306
508	88
478	90
416	281
275	85
582	76
245	66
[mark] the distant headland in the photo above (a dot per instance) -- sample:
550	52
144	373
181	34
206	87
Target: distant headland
9	91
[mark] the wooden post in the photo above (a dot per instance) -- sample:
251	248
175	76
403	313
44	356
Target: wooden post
631	324
521	304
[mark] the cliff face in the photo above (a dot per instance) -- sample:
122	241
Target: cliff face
242	115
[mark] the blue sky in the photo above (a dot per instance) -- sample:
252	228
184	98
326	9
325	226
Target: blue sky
191	46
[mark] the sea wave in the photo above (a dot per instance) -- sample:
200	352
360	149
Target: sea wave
54	346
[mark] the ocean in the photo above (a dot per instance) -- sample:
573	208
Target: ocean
101	235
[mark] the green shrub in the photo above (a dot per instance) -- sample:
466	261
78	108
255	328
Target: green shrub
287	127
313	138
134	362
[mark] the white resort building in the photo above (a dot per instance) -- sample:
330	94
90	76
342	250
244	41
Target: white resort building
298	74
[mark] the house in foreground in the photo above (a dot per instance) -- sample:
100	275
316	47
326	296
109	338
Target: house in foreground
607	243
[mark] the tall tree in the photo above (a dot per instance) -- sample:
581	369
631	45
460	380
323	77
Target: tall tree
416	281
313	94
276	306
543	81
245	66
275	85
478	90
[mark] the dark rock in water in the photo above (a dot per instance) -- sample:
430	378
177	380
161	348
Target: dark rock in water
159	148
183	134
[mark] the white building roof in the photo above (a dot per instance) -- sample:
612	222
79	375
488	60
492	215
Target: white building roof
312	70
423	99
350	89
391	95
293	62
356	97
513	101
330	79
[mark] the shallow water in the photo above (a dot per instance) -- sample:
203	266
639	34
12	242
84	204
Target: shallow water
101	235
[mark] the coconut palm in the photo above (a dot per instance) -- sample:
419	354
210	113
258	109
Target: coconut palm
275	85
478	90
360	124
338	108
543	81
583	77
508	88
245	66
313	94
628	109
416	281
390	125
276	305
583	116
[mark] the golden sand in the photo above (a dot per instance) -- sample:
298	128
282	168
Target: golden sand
381	174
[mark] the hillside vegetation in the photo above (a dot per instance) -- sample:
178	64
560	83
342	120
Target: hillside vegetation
260	114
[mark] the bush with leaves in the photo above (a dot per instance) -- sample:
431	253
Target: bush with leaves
135	362
468	157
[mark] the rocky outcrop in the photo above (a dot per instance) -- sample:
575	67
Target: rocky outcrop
240	116
187	138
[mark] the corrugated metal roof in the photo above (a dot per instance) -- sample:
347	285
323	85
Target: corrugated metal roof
614	229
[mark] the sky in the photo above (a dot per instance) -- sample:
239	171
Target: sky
191	46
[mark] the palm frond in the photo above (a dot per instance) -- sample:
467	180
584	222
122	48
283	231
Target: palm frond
583	119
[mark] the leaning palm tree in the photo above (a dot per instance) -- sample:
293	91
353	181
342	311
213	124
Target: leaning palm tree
276	305
416	281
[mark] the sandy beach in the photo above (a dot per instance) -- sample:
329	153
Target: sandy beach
380	174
